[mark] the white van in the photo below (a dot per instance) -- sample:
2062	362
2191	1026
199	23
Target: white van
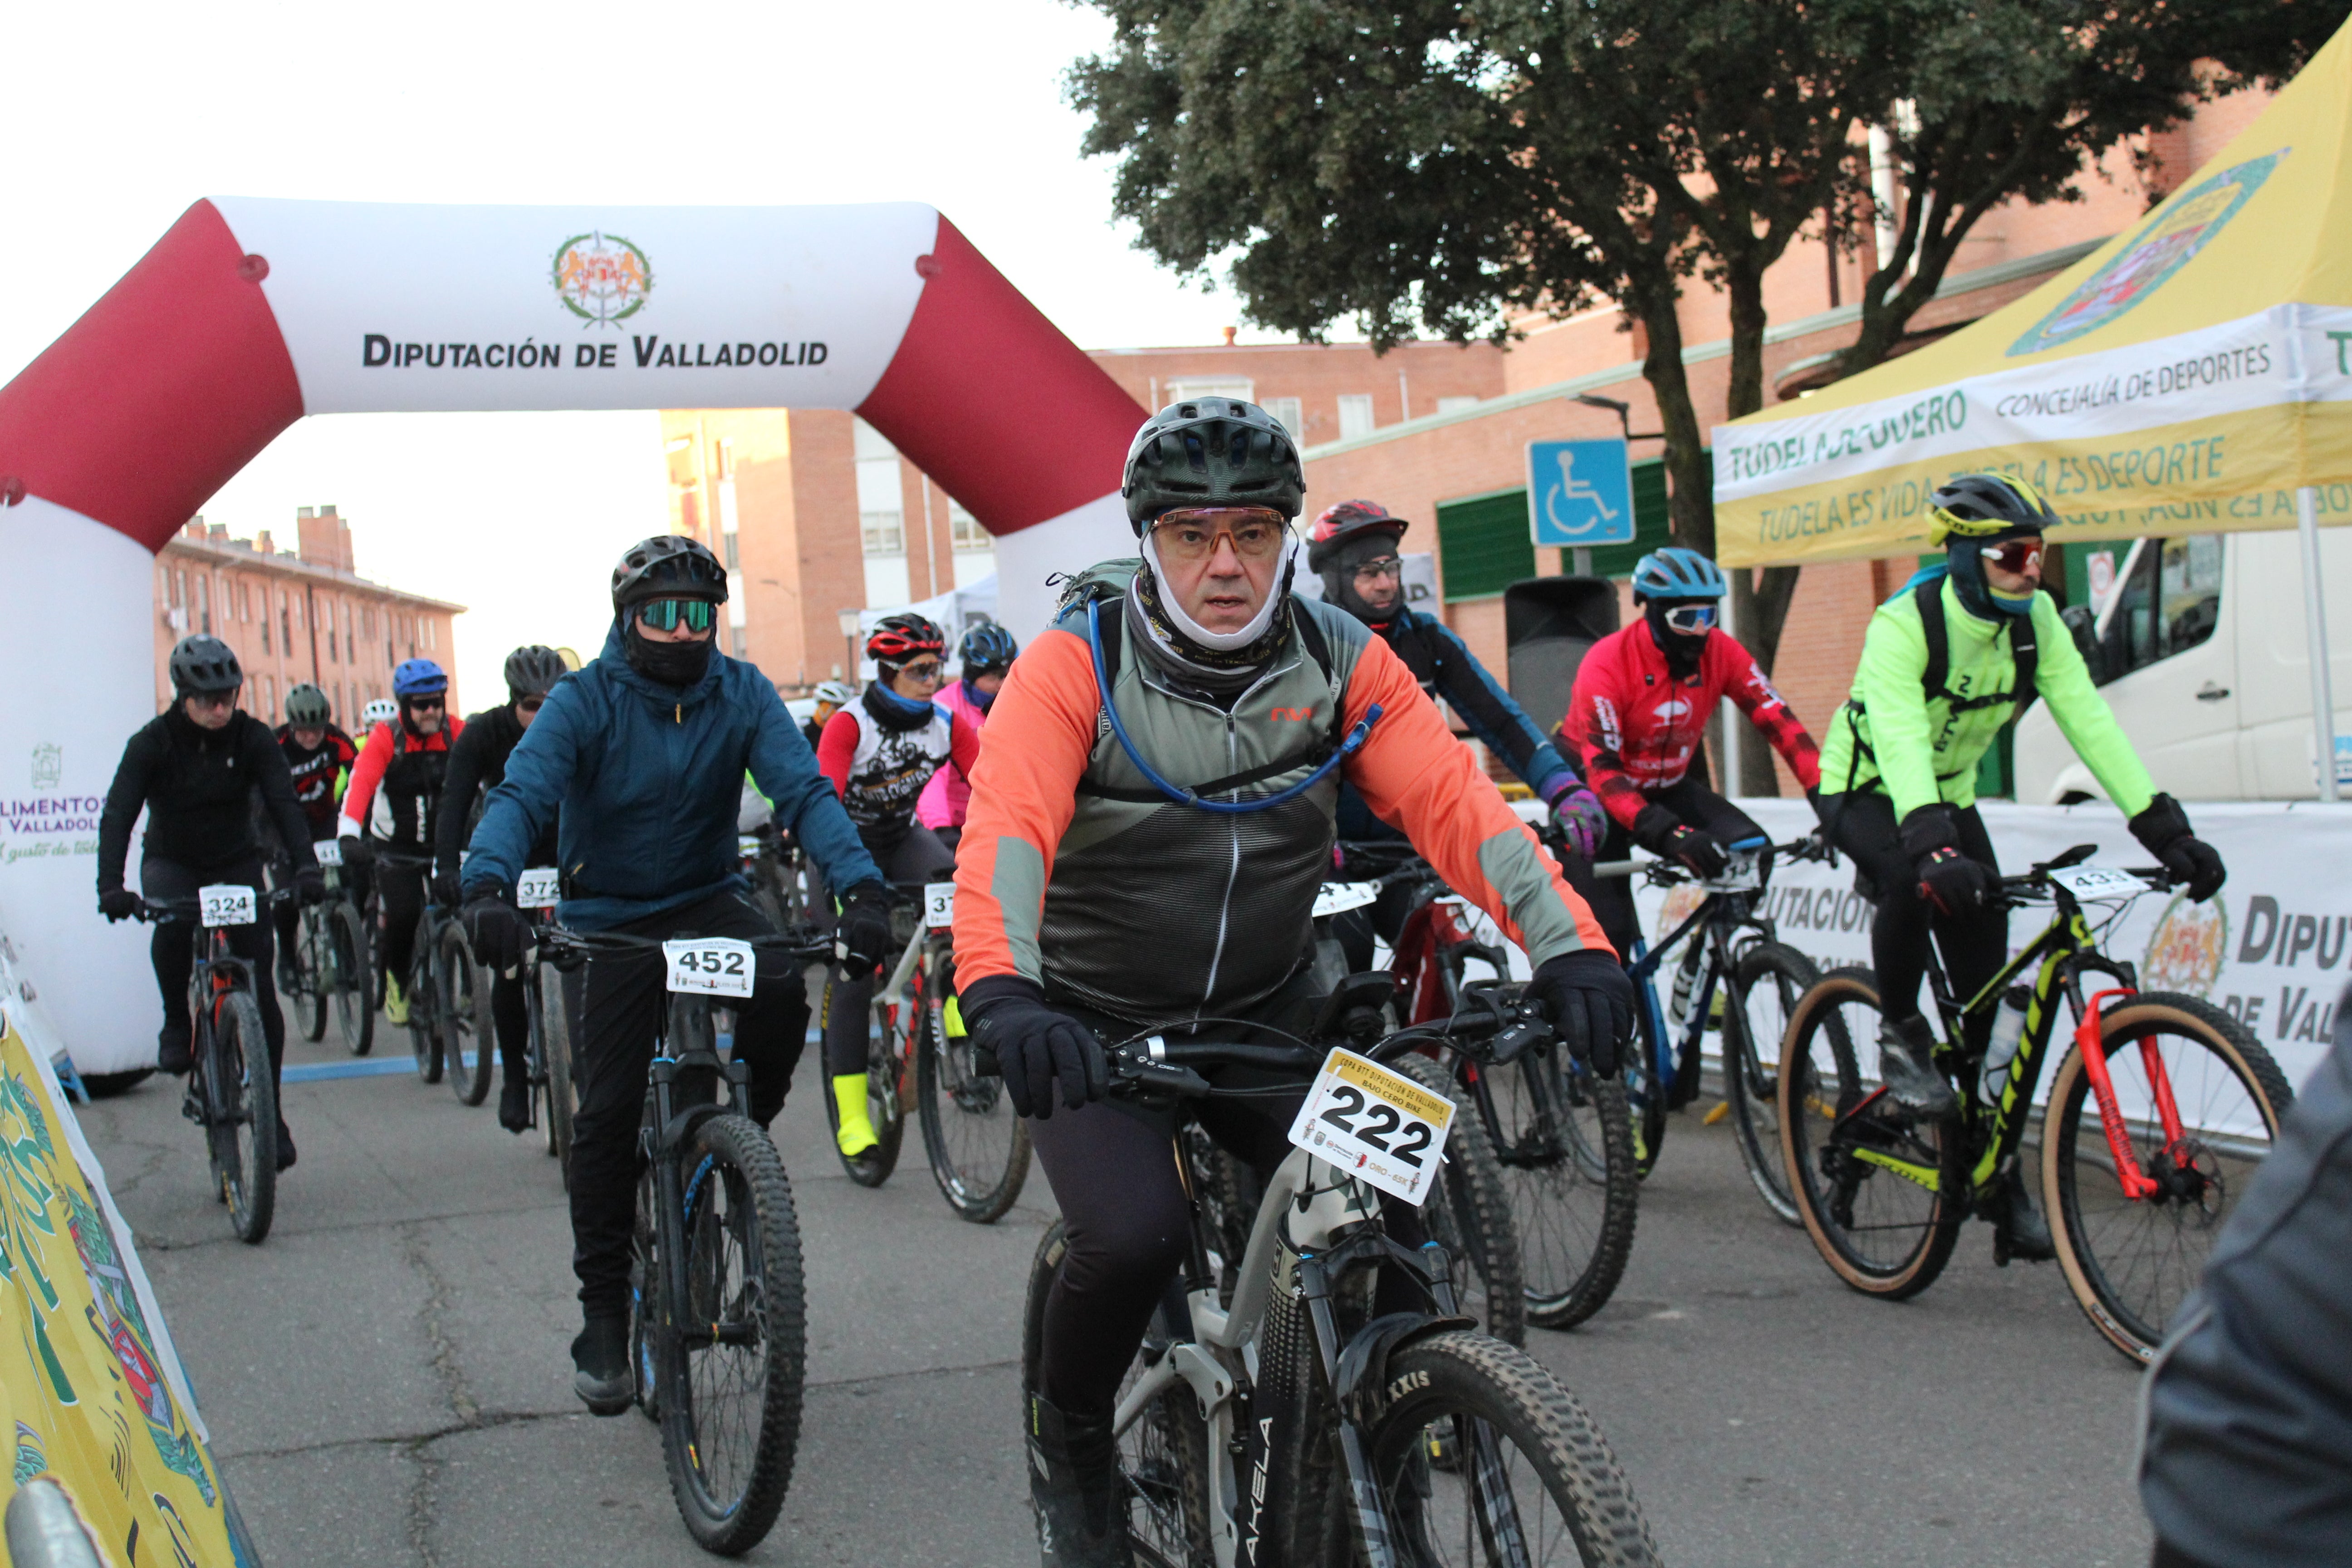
2199	648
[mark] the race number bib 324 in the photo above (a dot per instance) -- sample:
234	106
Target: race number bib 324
225	904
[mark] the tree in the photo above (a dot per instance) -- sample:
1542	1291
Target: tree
1438	166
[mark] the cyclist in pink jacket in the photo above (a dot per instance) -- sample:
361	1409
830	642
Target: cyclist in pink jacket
986	652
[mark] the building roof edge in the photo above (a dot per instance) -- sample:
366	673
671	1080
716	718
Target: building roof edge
284	560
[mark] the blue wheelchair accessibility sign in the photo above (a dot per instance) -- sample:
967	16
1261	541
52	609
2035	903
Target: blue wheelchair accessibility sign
1580	493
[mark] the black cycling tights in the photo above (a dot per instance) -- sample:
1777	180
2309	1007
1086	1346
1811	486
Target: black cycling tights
1130	1223
919	856
1974	946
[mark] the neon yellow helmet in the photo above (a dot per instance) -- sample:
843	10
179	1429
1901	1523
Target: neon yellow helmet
1988	506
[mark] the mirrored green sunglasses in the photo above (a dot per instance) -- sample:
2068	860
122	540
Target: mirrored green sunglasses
664	614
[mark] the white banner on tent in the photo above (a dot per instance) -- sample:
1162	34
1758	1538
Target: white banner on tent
954	612
2270	950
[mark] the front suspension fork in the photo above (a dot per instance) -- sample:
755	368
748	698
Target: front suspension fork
2138	1185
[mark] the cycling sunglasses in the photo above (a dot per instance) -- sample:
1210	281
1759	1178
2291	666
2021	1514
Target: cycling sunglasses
926	669
2022	556
664	614
1388	569
1690	620
1190	533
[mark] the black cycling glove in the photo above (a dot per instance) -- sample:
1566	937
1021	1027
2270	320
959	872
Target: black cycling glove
311	885
1953	881
358	853
1662	833
862	940
1035	1045
1588	999
498	932
2163	829
445	889
119	903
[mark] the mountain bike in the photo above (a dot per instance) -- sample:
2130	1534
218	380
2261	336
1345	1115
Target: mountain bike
1559	1136
2159	1114
430	1002
917	1052
550	1001
1734	975
331	960
719	1333
231	1092
1285	1422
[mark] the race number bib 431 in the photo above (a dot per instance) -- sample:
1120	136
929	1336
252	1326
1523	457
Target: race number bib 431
713	965
1376	1125
327	851
225	904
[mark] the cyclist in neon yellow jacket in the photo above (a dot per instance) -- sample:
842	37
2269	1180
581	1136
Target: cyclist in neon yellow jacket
1945	664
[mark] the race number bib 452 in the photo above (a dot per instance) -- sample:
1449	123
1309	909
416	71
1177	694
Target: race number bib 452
225	904
713	965
1376	1125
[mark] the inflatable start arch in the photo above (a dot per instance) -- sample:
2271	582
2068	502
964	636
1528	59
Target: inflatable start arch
250	314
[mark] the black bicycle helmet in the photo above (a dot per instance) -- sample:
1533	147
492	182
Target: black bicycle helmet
1987	507
667	566
307	708
986	646
1211	451
533	670
200	663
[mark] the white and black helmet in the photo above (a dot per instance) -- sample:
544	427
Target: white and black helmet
667	566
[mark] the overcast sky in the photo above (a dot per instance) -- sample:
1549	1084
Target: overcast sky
119	116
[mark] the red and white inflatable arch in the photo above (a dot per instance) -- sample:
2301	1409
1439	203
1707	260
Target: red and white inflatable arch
250	314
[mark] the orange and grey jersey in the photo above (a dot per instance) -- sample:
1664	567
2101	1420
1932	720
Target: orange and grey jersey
1077	874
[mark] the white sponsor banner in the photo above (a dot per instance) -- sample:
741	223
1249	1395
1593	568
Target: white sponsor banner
394	306
2272	949
2285	354
86	657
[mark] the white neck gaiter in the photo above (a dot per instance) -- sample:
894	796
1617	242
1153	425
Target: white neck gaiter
1223	642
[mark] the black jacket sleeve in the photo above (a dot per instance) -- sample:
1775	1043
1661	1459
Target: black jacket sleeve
459	785
275	780
134	776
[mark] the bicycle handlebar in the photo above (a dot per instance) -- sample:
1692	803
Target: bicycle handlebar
1811	847
1153	1064
588	944
157	910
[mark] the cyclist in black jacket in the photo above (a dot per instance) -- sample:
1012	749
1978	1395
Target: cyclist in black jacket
194	769
320	756
478	764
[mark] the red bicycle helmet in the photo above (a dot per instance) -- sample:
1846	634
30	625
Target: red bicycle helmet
896	639
1336	525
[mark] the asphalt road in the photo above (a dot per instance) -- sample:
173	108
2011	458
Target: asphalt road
387	1378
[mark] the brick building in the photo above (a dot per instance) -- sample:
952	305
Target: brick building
295	616
1436	431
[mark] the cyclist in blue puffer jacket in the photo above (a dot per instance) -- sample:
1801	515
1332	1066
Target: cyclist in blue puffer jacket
645	752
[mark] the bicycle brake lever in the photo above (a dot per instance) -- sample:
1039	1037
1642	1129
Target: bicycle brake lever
1514	1041
1165	1077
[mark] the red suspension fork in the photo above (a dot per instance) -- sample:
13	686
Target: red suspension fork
2138	1185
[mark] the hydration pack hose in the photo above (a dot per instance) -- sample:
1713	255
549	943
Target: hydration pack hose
1180	796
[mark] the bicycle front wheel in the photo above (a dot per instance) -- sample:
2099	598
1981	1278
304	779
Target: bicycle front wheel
1763	995
353	983
242	1110
737	1347
1882	1191
1565	1140
1468	1213
1529	1480
2130	1258
978	1147
311	970
462	1004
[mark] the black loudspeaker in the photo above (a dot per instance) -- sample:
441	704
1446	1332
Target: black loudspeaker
1548	623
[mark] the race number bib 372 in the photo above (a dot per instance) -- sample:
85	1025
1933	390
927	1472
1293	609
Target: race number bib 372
225	904
537	887
713	965
938	905
1376	1125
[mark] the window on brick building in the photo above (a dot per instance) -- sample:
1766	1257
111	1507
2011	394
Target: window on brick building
1287	410
881	498
203	606
1456	404
964	530
1240	386
1355	414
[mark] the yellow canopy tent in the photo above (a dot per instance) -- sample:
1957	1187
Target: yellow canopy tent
2194	373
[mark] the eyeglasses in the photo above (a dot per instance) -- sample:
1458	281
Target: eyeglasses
928	669
664	614
2022	556
1690	620
1190	535
1391	570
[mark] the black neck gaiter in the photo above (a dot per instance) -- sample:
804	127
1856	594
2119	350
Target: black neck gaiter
669	663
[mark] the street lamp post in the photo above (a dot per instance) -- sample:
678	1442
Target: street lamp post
849	636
